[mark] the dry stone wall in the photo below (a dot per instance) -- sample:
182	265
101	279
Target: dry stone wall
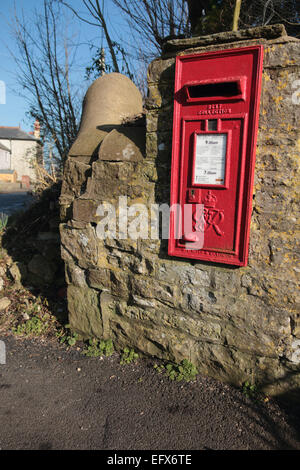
235	324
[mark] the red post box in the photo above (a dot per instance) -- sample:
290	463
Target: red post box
216	109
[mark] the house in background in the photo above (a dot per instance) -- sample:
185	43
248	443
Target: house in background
6	174
19	152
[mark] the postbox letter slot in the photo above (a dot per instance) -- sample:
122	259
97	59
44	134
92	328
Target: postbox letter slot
226	89
233	88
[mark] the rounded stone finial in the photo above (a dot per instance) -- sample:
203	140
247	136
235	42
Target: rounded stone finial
110	100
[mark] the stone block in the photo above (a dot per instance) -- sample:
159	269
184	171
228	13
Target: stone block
125	144
75	275
75	175
84	312
85	210
149	288
98	278
79	244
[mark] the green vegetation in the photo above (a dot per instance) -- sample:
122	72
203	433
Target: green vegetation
159	368
184	371
67	337
97	348
32	317
35	326
128	356
250	390
3	221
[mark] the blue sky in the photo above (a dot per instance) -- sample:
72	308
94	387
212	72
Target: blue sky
13	111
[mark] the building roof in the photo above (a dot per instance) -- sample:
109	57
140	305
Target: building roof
3	147
14	133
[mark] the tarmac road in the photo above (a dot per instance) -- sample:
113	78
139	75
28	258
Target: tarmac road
12	202
54	398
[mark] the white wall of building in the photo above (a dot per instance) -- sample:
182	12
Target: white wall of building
23	153
4	160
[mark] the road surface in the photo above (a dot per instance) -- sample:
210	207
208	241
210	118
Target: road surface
12	202
57	398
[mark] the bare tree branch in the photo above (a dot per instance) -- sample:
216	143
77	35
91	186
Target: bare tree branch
44	73
155	20
96	12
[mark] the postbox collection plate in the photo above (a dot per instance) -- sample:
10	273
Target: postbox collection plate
216	111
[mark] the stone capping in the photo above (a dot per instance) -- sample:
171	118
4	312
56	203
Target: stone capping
123	144
110	99
261	32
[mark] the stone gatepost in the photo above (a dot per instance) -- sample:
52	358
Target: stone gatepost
235	324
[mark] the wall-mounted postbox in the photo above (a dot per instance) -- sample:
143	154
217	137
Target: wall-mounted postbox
216	109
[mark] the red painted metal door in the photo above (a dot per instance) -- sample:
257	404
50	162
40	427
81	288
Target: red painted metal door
216	110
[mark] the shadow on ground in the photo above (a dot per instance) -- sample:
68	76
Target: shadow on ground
54	398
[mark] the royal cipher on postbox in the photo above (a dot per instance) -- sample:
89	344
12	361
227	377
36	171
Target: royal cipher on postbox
216	110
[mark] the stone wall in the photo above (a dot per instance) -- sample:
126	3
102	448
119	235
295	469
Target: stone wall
234	324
